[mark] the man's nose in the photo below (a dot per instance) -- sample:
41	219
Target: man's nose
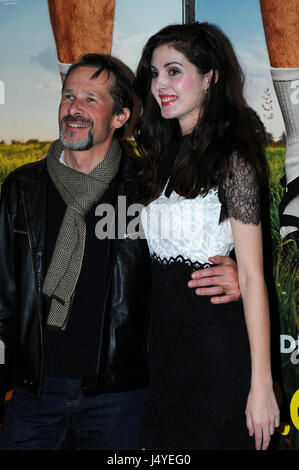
76	107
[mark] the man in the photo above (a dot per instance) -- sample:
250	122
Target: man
73	306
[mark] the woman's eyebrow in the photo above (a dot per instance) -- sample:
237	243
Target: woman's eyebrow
173	62
167	64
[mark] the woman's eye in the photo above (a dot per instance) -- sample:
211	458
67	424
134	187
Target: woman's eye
154	74
90	99
174	72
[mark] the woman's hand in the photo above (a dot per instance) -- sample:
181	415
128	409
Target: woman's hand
262	415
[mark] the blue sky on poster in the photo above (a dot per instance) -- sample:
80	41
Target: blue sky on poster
28	65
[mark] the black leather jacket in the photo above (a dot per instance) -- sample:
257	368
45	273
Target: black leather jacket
121	355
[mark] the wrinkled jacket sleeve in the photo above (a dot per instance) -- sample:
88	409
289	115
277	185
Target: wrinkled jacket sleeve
8	206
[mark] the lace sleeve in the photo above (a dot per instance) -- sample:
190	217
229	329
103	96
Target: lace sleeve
239	193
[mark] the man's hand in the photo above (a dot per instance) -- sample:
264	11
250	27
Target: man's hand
222	279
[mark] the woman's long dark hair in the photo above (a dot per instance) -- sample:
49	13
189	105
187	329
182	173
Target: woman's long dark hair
225	125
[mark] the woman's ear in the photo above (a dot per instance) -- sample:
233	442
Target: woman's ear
208	77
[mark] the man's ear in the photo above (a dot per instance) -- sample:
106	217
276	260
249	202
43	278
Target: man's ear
120	119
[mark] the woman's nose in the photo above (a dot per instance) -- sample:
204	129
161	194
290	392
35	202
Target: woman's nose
160	82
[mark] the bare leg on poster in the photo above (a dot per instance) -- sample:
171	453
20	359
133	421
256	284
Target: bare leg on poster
81	27
280	20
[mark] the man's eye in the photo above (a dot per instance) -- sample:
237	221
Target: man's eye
90	99
68	97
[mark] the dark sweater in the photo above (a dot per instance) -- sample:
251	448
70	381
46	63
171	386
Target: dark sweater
73	353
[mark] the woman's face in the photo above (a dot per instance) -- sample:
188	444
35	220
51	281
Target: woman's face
177	86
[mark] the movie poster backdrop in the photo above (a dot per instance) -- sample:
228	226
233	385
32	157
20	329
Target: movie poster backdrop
40	38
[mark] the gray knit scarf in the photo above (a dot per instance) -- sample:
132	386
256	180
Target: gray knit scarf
79	192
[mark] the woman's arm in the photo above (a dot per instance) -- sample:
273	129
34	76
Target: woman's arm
262	411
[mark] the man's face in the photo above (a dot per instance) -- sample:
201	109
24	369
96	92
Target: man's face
86	118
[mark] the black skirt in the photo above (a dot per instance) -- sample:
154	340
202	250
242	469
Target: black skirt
199	362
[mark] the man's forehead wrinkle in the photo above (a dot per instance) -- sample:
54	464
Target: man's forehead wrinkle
104	74
97	73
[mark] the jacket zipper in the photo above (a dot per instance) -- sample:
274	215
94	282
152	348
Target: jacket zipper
20	231
108	287
103	312
35	288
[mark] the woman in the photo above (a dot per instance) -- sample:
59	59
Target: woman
203	168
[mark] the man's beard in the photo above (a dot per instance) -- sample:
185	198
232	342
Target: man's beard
83	144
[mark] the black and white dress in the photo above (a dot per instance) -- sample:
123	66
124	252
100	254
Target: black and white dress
199	353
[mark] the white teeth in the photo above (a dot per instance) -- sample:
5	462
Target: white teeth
77	125
164	100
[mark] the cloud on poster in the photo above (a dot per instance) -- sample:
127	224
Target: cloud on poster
46	59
